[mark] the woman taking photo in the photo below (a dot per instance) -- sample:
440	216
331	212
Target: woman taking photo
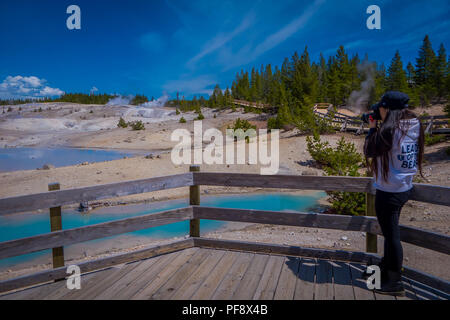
394	152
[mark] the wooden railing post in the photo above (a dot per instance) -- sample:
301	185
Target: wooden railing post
194	200
56	225
371	239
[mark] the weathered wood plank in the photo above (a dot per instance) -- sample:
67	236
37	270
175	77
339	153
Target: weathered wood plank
36	292
87	281
288	278
127	280
93	291
181	275
426	239
424	292
299	219
209	286
410	294
231	280
323	290
304	287
141	281
58	198
342	281
88	266
164	275
269	280
247	286
194	200
198	276
283	250
56	225
96	231
431	194
428	280
327	183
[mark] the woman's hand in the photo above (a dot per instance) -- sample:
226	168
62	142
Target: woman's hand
372	122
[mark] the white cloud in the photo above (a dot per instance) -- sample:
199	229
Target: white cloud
222	39
20	87
248	54
203	84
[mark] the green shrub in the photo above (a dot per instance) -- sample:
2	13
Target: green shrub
40	109
244	125
274	123
200	116
447	110
177	111
182	120
447	151
343	160
122	123
433	139
215	116
137	125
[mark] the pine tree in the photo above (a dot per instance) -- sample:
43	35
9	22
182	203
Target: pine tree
441	72
410	74
396	79
425	63
425	72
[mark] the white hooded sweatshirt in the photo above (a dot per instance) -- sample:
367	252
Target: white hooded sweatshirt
403	159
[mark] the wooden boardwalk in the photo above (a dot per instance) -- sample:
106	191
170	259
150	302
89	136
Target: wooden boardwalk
216	274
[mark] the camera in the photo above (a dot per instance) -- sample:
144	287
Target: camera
375	114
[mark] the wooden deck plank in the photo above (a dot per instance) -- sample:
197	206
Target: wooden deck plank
424	292
164	275
197	277
231	280
206	290
85	280
323	290
288	278
304	287
104	282
269	280
410	294
342	281
141	281
181	275
35	292
359	284
247	286
217	274
127	280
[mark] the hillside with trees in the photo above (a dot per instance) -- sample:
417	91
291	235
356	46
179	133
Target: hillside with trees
299	83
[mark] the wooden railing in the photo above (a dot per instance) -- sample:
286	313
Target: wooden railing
194	213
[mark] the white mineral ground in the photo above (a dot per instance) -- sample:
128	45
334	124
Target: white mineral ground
73	125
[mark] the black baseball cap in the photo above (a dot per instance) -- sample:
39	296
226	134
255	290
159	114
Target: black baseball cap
394	100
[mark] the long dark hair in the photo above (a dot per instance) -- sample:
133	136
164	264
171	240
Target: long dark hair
387	131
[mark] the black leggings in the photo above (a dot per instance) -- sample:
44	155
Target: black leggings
388	206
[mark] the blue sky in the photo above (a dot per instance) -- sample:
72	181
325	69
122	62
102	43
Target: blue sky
164	46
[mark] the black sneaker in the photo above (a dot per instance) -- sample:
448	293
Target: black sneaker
392	284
